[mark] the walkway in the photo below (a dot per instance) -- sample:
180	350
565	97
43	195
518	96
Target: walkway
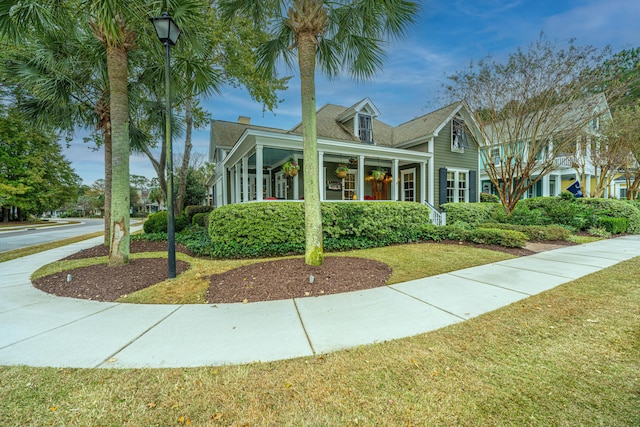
38	329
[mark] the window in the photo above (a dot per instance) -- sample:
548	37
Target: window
365	128
349	185
281	185
459	140
457	186
623	193
409	185
495	156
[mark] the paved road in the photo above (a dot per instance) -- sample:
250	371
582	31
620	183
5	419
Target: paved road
21	238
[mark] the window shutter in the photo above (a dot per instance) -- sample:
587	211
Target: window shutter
473	187
443	186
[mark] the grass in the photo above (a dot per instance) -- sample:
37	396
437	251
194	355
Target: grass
566	357
412	261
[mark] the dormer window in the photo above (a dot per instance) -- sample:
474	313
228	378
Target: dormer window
365	128
459	138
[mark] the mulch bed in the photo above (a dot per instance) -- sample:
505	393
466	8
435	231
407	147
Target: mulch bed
290	278
266	281
103	283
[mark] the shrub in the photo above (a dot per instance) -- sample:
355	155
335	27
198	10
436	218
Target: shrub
192	210
277	228
473	213
157	223
494	236
560	210
613	208
614	225
534	232
599	232
201	219
489	198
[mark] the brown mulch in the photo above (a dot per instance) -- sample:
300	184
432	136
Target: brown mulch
103	283
290	278
266	281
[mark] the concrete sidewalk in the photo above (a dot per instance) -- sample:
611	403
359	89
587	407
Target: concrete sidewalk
38	329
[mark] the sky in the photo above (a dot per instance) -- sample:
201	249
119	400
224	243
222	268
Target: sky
447	36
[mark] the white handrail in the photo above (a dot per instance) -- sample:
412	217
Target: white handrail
437	218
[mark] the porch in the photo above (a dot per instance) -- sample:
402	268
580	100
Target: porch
253	171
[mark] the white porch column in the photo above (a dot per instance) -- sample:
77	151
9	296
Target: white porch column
321	178
237	184
296	181
259	173
224	190
431	196
361	178
396	180
245	179
545	186
587	186
423	182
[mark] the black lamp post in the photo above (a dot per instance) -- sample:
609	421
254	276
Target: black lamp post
168	33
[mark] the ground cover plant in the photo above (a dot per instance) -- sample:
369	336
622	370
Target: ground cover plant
566	357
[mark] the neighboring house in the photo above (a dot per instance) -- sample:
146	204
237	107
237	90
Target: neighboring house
431	159
574	163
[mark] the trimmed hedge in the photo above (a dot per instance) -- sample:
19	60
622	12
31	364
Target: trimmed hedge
157	223
613	208
192	210
473	213
534	232
201	219
277	228
495	236
614	225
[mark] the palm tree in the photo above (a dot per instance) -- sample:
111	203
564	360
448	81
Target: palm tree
67	87
338	35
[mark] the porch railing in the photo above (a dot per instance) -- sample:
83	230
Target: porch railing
437	218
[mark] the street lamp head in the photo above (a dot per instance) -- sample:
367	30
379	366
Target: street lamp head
166	28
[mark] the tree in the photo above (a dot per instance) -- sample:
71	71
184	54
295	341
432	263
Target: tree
35	175
226	54
338	35
623	132
64	80
533	109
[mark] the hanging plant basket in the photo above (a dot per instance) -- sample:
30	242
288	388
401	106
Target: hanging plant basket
290	167
341	171
378	174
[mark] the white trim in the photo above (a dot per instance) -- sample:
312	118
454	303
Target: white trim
402	181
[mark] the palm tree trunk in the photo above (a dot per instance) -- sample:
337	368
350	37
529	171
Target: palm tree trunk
120	239
312	213
182	189
108	179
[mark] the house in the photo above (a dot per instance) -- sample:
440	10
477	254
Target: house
432	159
561	164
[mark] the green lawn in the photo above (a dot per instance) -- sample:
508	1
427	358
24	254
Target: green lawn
566	357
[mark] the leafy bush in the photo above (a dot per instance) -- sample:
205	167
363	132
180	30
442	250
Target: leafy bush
277	228
489	198
614	225
614	208
157	223
192	210
494	236
534	232
552	210
473	213
599	232
201	219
